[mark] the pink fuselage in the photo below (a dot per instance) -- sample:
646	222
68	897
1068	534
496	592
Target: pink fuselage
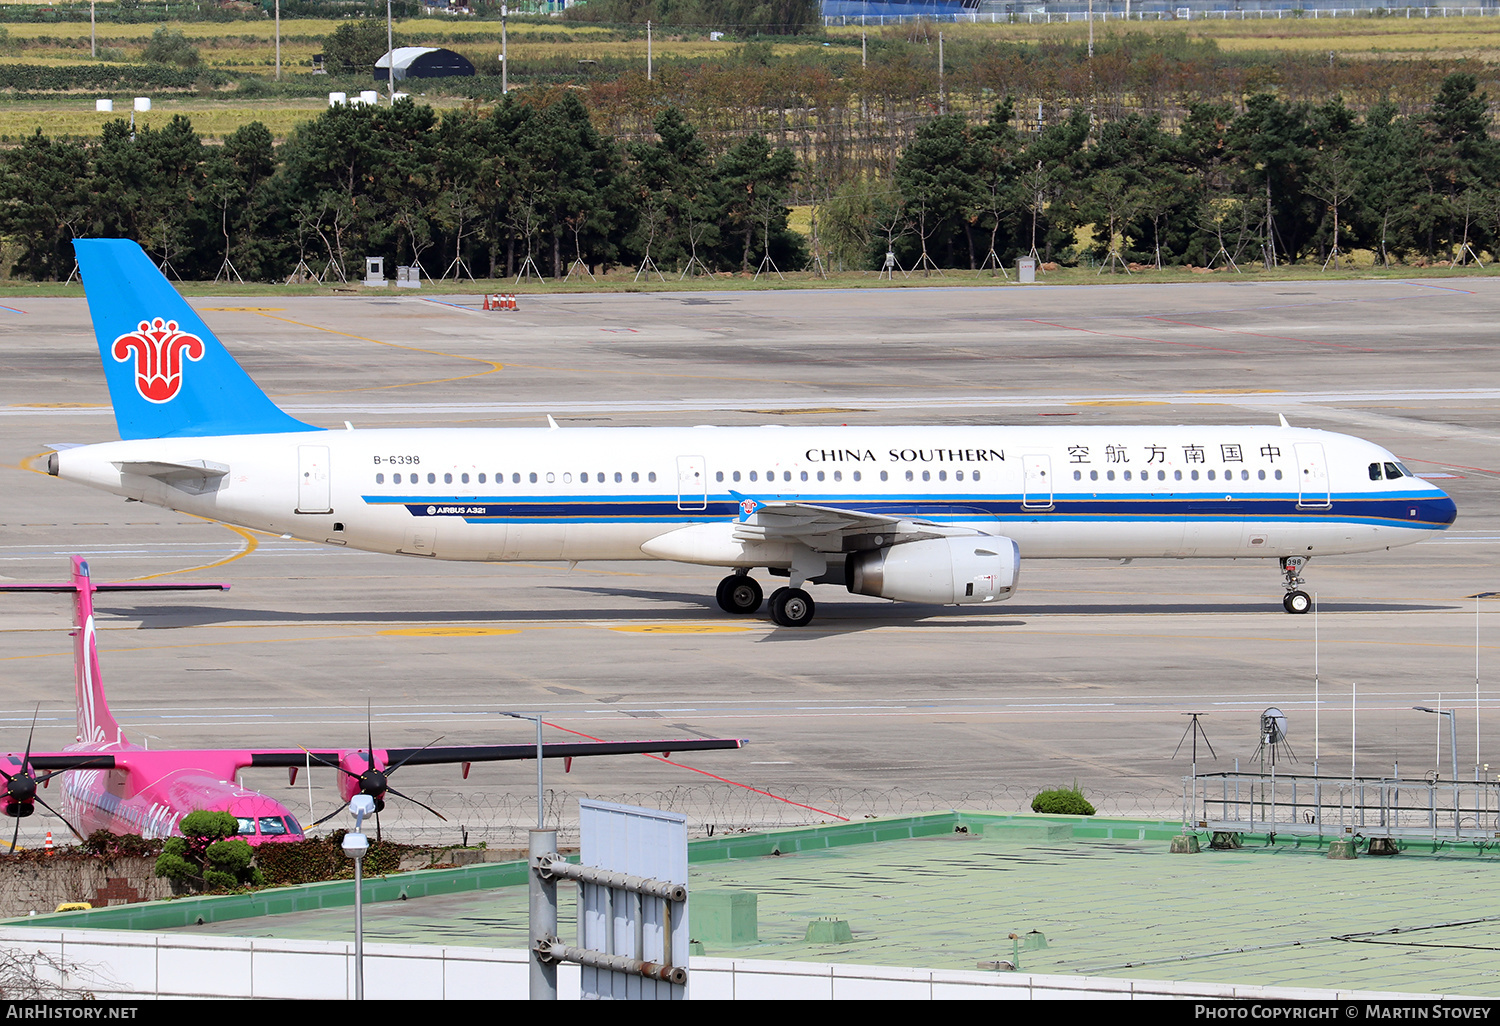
159	790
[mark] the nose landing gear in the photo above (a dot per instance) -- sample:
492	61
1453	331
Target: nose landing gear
1296	600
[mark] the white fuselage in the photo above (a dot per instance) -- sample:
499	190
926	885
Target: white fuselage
603	493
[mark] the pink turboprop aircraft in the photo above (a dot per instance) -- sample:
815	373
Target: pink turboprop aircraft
108	782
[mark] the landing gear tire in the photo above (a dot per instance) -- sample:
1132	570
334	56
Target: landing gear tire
792	607
739	594
1297	602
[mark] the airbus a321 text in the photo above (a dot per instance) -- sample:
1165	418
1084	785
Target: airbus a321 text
919	513
109	782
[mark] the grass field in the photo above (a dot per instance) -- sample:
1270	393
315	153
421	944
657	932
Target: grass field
248	47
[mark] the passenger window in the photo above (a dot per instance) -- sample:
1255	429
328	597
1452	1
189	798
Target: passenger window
1127	475
516	478
736	475
1278	475
481	479
1210	475
910	476
719	475
786	475
447	479
1093	475
958	475
1176	475
651	476
634	477
1109	475
551	477
1161	475
1194	475
1077	475
1392	471
976	475
804	475
432	479
926	475
884	476
838	475
752	475
856	476
380	479
619	477
942	475
1261	474
533	477
1374	471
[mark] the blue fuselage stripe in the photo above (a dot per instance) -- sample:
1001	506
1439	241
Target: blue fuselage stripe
1423	511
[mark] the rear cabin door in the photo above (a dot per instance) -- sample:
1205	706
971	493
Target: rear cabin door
313	495
1037	481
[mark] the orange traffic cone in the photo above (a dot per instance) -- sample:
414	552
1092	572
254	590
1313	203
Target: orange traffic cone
49	840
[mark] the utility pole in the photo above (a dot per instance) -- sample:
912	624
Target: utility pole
278	37
504	52
942	92
390	56
648	51
93	37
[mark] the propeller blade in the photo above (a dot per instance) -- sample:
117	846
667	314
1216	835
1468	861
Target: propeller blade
409	798
319	759
335	812
59	815
15	836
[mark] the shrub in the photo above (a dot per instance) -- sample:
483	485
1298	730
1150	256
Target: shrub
1062	801
170	46
208	856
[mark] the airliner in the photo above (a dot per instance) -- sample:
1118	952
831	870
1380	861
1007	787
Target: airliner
921	514
109	782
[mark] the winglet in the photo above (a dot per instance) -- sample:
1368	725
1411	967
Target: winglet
1283	420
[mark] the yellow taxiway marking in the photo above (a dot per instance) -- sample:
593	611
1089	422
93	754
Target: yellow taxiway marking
244	309
682	628
1235	391
250	546
59	406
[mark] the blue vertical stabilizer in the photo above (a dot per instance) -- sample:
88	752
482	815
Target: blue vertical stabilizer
168	375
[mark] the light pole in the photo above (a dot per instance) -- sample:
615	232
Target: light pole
504	52
355	845
1452	733
537	717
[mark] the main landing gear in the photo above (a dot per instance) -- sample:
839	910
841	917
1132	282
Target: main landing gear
1296	600
740	595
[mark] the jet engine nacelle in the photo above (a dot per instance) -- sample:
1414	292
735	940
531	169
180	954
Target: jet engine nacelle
948	571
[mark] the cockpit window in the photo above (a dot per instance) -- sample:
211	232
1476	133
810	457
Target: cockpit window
272	826
1374	471
246	825
1392	471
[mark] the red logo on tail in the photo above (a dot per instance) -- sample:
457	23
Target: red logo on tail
159	348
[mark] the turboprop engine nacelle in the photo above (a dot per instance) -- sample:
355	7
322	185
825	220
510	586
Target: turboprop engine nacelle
948	571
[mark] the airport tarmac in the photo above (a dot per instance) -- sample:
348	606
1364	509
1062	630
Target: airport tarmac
877	708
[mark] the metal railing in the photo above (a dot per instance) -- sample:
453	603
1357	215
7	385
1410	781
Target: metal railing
1331	807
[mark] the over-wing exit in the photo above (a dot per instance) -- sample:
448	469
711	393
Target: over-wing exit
915	513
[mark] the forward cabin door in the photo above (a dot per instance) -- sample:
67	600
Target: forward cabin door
1036	492
1312	476
313	494
692	483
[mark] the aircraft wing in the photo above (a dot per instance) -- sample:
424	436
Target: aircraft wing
435	755
12	761
831	528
